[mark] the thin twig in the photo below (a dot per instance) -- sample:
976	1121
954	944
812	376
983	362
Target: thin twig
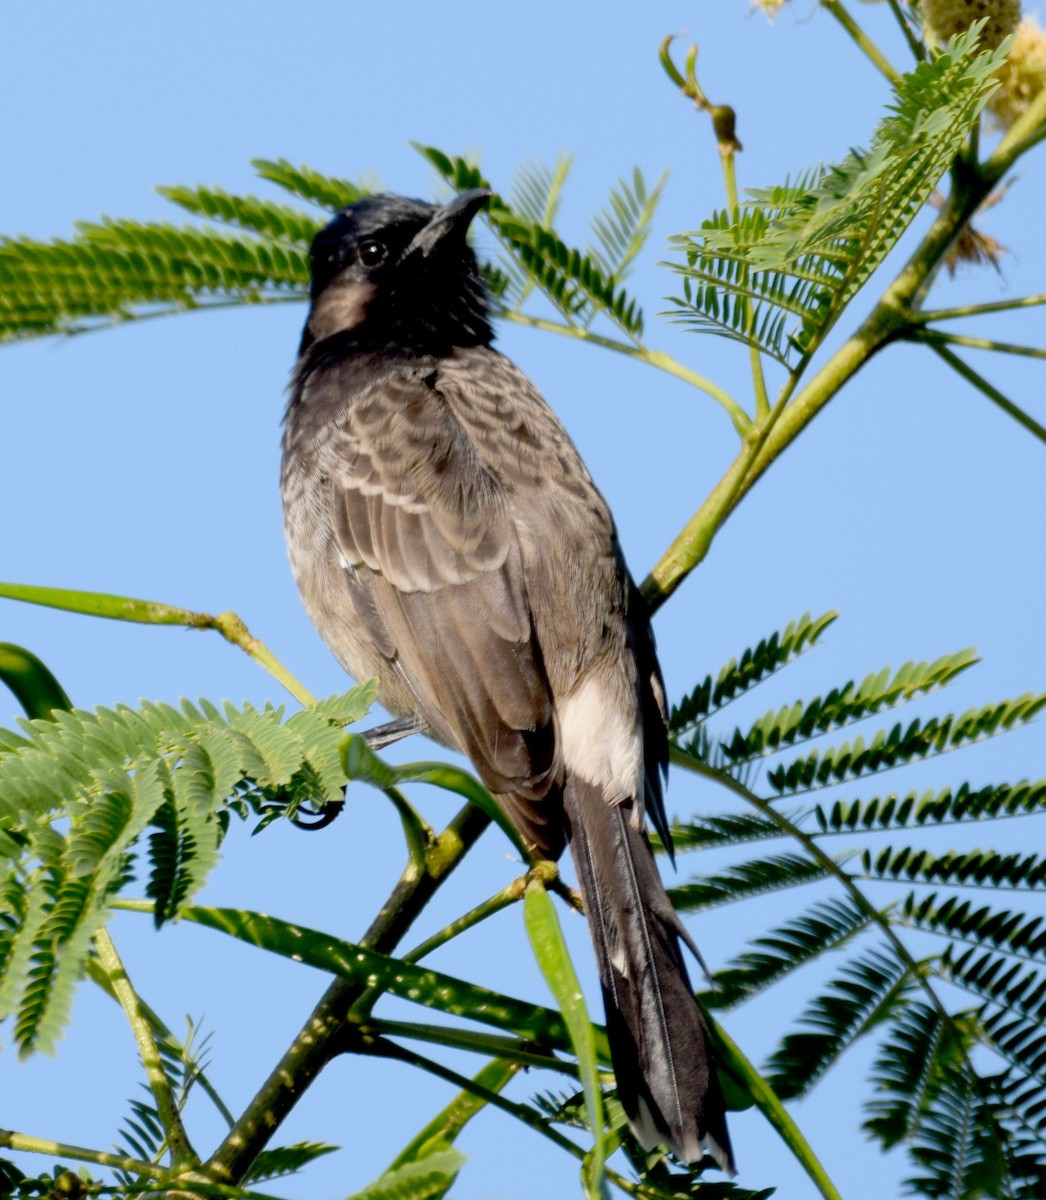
917	48
993	393
508	895
232	628
937	337
976	310
654	358
521	1112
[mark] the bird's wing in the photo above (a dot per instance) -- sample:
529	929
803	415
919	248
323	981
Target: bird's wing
590	621
430	553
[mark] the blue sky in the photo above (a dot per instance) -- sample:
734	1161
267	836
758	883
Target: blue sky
143	461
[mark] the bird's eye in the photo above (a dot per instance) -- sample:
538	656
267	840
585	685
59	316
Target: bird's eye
372	252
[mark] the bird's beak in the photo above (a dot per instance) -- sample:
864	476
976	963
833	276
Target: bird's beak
454	217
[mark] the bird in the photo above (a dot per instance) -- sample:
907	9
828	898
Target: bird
448	540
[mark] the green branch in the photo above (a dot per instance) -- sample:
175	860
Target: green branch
695	539
11	1140
326	1033
182	1153
770	1106
891	319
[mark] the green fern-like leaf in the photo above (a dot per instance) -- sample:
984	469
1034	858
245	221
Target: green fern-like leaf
277	222
959	1125
825	926
934	808
536	193
724	829
898	746
184	1062
932	1089
182	848
840	707
114	271
81	790
24	919
93	867
962	920
961	1149
204	258
1023	1044
141	1135
922	1047
777	272
118	270
570	278
622	227
285	1160
537	190
751	878
969	869
754	665
866	993
1013	986
326	191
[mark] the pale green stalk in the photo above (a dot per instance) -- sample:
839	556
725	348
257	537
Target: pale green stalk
867	47
728	157
10	1140
182	1153
653	358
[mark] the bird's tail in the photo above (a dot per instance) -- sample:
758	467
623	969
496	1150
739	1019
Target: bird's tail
658	1037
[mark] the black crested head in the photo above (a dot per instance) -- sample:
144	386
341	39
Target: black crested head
391	273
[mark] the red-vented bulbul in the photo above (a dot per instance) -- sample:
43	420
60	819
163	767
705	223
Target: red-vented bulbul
448	539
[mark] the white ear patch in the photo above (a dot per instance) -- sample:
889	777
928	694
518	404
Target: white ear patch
341	305
601	742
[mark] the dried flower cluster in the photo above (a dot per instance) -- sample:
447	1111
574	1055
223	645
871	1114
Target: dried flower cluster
943	19
770	7
1022	76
